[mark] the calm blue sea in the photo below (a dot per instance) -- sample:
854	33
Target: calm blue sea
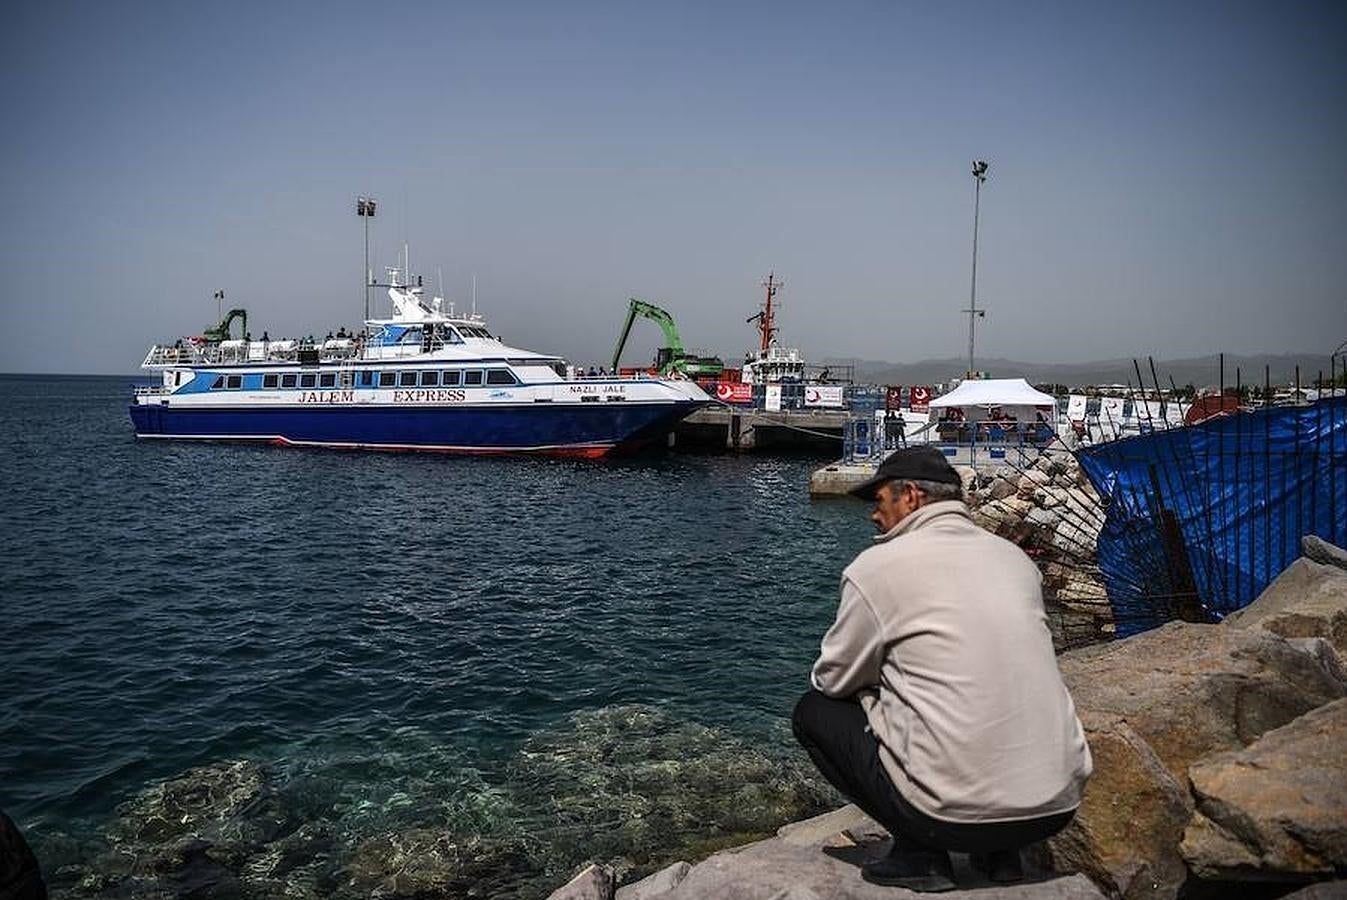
501	665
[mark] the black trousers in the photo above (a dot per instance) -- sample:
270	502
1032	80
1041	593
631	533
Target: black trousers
837	737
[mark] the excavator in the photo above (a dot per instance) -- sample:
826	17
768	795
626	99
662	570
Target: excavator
671	357
221	332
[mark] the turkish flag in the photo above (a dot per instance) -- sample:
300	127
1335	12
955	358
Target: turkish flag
921	398
893	399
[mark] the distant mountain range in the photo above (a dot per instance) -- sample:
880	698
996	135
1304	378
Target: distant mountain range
1200	372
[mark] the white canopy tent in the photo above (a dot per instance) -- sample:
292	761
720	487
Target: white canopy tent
995	392
995	410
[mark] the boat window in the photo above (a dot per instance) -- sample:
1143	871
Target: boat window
366	378
388	379
452	376
472	376
327	379
411	336
407	379
287	381
218	383
474	331
430	379
233	382
451	336
269	381
500	376
307	380
346	378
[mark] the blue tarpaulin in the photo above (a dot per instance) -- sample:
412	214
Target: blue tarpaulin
1201	519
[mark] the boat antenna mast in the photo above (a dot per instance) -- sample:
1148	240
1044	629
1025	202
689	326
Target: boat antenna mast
766	317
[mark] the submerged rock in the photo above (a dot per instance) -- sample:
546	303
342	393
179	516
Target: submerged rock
633	787
189	836
635	782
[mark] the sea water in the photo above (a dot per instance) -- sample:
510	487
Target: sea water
282	672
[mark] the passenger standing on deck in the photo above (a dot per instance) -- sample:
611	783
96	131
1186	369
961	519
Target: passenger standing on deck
901	425
937	705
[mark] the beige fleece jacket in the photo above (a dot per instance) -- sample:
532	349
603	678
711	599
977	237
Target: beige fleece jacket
941	632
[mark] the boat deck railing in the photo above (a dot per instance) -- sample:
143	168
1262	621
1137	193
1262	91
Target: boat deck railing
189	354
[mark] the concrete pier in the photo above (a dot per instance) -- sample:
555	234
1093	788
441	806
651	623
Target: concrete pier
747	430
835	479
839	477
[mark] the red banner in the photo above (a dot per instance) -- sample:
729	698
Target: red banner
921	398
734	392
893	398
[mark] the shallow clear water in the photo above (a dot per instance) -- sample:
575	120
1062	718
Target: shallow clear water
401	646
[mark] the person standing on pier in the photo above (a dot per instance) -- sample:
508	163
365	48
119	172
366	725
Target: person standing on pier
937	706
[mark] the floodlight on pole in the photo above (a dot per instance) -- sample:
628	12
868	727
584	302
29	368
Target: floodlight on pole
979	176
364	208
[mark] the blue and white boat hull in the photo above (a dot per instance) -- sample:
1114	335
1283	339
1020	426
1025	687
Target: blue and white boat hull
576	429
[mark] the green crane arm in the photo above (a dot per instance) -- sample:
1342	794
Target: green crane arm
221	332
660	317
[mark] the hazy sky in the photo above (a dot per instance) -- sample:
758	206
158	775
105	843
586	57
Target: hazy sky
1165	177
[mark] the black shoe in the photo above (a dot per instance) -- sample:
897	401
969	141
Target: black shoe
1000	866
927	871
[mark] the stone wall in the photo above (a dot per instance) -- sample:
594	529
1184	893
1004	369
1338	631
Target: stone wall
1050	509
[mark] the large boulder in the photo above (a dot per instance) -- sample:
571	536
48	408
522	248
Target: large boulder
653	886
1131	820
1276	810
1226	687
594	882
820	859
1308	599
1321	551
1153	705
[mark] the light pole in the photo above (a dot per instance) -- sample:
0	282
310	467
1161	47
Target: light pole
364	208
979	176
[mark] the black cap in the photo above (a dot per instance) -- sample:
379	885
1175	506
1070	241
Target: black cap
910	464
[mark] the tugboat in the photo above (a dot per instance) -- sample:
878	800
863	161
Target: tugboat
772	364
423	379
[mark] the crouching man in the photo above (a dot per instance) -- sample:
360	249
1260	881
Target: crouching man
937	707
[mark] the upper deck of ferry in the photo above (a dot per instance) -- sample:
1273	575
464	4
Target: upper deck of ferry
417	330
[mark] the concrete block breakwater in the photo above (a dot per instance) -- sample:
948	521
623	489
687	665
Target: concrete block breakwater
1048	507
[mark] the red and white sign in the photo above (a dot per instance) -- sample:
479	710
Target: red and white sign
734	393
823	396
893	397
921	398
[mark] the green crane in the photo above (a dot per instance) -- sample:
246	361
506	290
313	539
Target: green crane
221	332
671	357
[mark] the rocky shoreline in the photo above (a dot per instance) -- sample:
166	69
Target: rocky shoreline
1219	770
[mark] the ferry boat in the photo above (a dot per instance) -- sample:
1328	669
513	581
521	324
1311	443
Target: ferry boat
423	379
